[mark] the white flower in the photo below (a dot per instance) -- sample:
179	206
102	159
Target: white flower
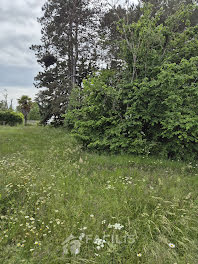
99	242
103	222
77	251
91	215
81	236
139	255
118	226
171	245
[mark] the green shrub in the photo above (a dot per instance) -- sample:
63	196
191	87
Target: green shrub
151	106
150	117
10	118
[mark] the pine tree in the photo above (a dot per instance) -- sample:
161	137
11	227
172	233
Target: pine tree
67	54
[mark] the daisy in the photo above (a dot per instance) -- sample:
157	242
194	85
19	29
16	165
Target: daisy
171	245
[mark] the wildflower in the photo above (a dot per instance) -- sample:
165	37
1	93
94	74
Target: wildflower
18	245
22	245
36	243
31	249
118	226
81	236
27	217
103	222
92	215
84	228
171	245
100	243
139	255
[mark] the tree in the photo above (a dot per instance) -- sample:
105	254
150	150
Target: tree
67	54
4	105
110	36
151	106
25	104
34	113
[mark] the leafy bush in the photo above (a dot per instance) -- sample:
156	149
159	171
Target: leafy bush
10	118
151	106
158	116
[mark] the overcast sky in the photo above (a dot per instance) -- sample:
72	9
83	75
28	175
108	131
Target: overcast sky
19	30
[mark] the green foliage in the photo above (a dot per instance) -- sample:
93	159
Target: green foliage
25	104
151	108
10	118
96	113
34	113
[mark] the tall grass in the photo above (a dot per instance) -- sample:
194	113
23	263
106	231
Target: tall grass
121	209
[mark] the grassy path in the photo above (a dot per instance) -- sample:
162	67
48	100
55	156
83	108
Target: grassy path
120	209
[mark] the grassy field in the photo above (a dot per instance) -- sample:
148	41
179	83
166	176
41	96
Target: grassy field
118	209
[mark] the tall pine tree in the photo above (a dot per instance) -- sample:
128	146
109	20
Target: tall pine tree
67	54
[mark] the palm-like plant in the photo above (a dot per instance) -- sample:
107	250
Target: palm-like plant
25	104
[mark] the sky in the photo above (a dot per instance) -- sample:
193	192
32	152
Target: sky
19	30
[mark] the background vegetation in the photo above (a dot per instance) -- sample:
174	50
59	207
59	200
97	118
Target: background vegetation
11	118
144	100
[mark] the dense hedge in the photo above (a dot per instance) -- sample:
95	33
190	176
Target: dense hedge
10	118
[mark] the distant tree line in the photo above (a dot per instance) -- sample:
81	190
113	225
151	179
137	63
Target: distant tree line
124	78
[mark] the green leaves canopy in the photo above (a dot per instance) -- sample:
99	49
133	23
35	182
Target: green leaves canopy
151	107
